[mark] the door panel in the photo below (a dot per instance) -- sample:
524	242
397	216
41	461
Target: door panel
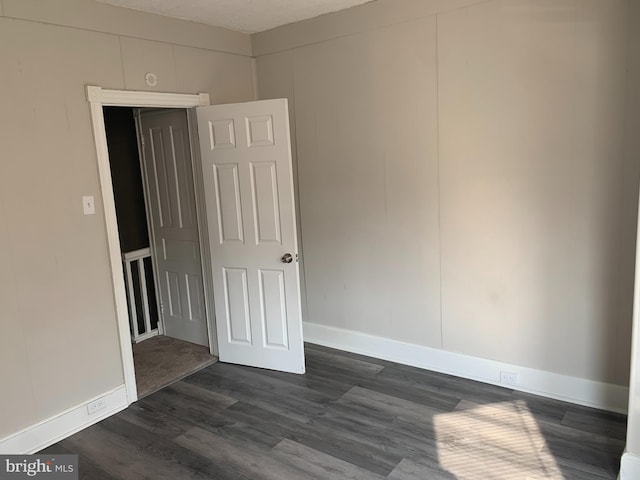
168	171
266	210
228	203
237	305
274	310
248	186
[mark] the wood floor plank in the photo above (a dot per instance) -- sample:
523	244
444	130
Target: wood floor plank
87	470
381	431
328	386
322	371
364	413
210	398
252	463
155	420
292	406
590	453
354	428
169	458
572	471
357	366
447	384
413	392
311	347
123	457
410	470
389	404
335	442
550	407
319	464
226	424
417	440
258	380
545	409
605	427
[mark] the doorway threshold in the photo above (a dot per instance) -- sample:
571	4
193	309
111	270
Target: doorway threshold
161	360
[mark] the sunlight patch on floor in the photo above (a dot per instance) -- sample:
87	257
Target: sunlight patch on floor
493	441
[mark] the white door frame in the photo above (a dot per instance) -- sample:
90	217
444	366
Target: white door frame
98	98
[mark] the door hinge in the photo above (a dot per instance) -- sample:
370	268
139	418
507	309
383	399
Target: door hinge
142	140
161	308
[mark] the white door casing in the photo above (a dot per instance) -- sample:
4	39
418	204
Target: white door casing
98	98
248	188
168	173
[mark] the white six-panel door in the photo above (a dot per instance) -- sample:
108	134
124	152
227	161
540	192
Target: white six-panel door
248	186
168	174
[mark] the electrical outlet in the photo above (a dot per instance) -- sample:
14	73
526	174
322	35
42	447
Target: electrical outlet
88	205
509	378
97	405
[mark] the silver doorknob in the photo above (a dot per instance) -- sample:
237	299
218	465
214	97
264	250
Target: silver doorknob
287	258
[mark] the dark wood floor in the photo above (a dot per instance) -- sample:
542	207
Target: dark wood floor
349	417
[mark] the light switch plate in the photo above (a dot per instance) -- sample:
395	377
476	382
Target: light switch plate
88	205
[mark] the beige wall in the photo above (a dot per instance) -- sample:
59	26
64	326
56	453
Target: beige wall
463	177
631	460
58	337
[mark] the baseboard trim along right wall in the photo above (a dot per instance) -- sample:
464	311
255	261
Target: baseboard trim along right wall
629	467
582	391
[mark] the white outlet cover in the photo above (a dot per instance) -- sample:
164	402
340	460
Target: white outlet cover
509	378
96	406
88	205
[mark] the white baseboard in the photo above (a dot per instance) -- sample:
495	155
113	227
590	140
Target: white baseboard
562	387
54	429
629	467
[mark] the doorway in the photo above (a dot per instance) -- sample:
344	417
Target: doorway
151	170
245	214
99	98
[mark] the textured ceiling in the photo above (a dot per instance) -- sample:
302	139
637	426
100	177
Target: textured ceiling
247	16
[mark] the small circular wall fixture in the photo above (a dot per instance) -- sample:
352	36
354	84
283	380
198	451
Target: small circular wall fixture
151	79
